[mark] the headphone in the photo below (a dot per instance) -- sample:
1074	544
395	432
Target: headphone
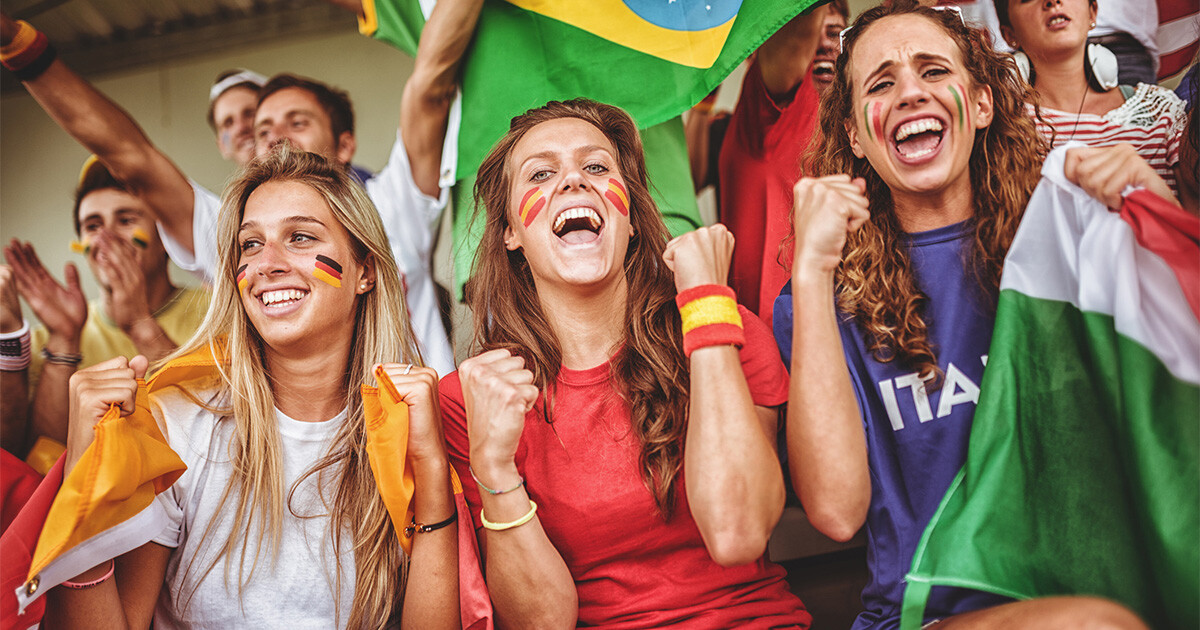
1099	66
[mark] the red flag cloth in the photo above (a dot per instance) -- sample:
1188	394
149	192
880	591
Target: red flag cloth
16	552
18	480
1169	231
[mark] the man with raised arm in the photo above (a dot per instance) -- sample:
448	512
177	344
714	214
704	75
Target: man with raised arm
313	117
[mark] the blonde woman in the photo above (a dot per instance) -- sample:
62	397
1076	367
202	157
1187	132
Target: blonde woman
278	521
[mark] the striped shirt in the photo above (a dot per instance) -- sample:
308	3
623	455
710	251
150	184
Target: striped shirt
1152	120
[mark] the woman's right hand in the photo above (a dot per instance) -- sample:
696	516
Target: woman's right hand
825	210
497	391
92	391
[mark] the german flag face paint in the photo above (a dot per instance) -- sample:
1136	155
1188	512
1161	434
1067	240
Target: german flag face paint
140	238
617	194
531	204
328	271
242	281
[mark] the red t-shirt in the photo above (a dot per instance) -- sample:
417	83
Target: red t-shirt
632	569
758	166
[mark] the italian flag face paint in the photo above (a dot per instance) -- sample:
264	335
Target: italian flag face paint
618	196
956	91
328	271
241	278
531	204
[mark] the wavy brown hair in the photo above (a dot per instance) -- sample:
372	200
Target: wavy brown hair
875	279
651	371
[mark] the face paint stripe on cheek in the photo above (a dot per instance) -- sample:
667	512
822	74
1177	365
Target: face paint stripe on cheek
81	247
867	121
328	271
531	204
877	119
618	196
962	121
140	238
242	281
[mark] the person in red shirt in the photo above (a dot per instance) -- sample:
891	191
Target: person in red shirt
615	445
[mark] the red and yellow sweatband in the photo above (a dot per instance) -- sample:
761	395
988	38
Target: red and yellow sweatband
710	317
29	53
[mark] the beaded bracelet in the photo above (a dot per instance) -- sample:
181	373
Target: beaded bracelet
112	567
499	527
419	528
29	53
489	490
710	317
15	353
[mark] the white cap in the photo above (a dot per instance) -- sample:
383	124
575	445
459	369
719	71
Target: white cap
244	76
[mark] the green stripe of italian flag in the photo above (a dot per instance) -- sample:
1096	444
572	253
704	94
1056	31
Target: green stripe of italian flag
1082	472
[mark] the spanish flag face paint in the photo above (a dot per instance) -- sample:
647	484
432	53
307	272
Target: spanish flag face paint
531	204
617	194
140	238
328	271
242	281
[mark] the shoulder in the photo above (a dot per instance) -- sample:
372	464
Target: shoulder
188	411
1148	106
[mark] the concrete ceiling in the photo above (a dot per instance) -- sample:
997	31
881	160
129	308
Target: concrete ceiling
99	36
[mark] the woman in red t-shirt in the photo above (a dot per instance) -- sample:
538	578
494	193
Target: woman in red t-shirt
594	398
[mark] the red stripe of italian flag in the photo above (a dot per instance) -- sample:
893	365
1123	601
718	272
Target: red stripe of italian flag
1085	448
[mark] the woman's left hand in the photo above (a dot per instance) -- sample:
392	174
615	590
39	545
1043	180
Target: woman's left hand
700	257
417	387
1105	172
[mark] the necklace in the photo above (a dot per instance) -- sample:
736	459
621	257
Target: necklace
1078	113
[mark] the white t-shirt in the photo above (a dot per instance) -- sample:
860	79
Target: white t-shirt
410	220
297	591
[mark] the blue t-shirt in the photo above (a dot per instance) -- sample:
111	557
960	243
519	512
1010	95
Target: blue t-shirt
916	440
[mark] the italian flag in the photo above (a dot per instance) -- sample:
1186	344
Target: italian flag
1081	474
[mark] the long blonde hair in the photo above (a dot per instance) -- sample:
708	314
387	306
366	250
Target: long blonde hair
381	333
652	371
875	280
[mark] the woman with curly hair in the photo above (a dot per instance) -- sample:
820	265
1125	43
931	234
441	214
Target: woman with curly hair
899	247
278	520
622	448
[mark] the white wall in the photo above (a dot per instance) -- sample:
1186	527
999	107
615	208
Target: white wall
39	163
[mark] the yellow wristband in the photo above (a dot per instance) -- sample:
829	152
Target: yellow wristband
499	527
24	38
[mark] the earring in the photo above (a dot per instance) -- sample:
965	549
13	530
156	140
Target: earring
1100	66
1024	68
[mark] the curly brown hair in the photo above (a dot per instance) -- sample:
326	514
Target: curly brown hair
651	371
875	279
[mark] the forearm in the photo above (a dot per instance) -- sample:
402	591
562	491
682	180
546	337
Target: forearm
529	582
431	596
51	398
126	600
827	450
14	410
150	339
734	481
107	130
429	92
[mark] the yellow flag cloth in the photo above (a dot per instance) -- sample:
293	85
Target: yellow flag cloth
127	464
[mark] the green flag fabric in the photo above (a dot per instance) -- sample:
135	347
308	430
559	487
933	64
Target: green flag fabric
1082	471
653	59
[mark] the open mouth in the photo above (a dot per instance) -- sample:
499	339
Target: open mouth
1058	21
918	138
577	225
282	297
823	69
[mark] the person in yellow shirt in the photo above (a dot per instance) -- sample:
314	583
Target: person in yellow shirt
139	310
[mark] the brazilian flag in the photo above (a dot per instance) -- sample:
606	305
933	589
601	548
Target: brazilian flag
653	58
